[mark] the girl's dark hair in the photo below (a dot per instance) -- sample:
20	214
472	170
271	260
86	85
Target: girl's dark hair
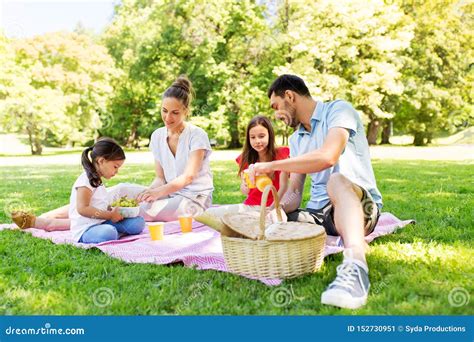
288	82
106	148
181	89
249	155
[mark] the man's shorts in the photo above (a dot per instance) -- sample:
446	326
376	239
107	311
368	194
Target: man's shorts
325	215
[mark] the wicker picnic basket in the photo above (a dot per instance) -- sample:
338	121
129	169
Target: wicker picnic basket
283	257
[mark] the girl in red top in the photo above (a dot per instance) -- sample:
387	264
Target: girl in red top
260	147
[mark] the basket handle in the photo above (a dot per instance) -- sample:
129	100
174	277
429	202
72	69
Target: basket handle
263	206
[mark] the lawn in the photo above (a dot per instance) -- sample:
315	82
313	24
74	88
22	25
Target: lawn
418	270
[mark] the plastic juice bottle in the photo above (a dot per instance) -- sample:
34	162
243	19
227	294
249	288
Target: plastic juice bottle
262	182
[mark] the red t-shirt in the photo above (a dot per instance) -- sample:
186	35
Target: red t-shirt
255	196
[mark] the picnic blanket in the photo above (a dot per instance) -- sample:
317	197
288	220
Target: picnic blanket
201	249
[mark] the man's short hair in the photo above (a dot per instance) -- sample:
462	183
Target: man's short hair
288	82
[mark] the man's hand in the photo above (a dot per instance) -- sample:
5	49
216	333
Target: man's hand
259	169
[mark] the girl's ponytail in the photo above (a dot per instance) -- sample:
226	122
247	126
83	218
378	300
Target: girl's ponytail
89	167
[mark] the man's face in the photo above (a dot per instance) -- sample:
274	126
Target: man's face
284	110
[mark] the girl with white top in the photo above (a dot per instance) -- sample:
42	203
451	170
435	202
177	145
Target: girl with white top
89	217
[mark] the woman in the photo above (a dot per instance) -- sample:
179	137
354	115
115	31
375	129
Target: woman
183	181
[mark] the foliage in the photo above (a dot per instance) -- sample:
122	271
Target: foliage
406	63
437	73
57	88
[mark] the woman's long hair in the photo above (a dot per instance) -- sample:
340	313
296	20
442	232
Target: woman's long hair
249	155
106	148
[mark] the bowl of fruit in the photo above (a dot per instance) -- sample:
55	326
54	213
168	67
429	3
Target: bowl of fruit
127	207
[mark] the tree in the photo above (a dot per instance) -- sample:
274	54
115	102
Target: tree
62	81
437	70
351	50
219	45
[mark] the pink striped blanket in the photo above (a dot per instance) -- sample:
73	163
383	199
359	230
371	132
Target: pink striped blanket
201	249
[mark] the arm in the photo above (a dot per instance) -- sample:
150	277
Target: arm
310	162
194	165
160	176
84	208
293	196
283	184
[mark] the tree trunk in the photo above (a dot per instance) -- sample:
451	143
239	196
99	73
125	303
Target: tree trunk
35	144
419	139
234	138
132	136
429	138
233	119
373	131
38	147
386	132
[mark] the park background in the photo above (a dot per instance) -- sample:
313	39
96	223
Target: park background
406	66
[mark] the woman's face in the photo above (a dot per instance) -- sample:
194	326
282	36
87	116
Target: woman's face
258	138
173	112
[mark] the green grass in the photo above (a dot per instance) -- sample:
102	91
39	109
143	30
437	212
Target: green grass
412	271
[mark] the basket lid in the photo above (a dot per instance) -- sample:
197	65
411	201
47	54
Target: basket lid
246	224
291	231
252	224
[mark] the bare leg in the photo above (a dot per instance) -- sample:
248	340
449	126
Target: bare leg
51	225
58	213
348	214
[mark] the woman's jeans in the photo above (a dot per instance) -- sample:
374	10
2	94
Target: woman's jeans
109	230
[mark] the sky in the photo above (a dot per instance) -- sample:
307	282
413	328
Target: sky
27	18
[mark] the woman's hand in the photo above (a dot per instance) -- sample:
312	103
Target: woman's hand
115	215
149	195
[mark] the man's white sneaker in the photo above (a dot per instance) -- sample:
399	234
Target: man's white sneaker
351	286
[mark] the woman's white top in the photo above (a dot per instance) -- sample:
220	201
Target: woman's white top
191	139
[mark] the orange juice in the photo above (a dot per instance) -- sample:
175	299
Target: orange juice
261	181
156	231
186	223
247	180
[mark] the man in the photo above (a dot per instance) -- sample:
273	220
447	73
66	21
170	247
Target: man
330	145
